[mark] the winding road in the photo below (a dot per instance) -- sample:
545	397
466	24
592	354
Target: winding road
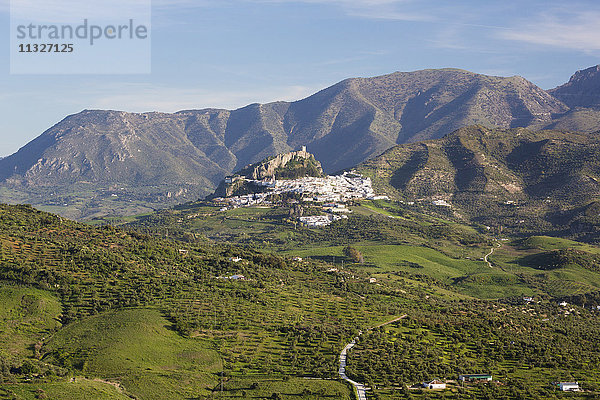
485	258
361	389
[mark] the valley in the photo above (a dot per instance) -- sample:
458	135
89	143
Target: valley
149	318
449	249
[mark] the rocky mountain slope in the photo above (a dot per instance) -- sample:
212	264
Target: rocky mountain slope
136	161
582	95
582	90
538	181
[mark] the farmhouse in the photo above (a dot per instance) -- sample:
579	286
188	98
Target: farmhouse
475	378
434	385
569	386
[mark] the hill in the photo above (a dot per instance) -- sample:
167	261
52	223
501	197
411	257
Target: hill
110	162
99	312
394	240
162	319
528	182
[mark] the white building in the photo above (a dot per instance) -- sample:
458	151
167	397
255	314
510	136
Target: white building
435	385
441	203
320	220
569	386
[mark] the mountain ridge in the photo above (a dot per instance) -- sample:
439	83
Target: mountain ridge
165	158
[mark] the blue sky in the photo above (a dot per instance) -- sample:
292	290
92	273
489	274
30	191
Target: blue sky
229	53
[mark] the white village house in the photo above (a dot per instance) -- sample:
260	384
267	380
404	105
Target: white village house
569	386
435	385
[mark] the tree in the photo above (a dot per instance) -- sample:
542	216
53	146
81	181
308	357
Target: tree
29	368
354	254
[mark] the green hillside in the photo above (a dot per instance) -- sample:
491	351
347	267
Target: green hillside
100	312
519	181
398	242
154	317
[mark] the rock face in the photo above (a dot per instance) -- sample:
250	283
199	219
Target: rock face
288	165
291	165
582	90
141	158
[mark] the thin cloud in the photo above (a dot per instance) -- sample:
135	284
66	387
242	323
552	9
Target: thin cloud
577	31
399	10
142	98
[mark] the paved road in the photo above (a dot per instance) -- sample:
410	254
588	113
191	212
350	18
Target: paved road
360	388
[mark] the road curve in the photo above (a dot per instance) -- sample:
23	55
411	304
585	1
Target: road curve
361	389
485	258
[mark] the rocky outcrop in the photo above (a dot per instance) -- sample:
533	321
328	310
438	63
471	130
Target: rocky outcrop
275	167
256	178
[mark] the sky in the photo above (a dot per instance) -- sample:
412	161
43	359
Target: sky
230	53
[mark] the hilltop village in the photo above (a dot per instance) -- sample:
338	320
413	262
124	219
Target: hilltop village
299	177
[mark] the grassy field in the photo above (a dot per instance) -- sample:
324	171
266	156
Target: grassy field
139	349
78	389
27	316
289	388
397	243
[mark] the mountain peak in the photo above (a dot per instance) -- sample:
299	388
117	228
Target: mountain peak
587	73
582	90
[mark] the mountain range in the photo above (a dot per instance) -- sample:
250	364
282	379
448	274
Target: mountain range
100	162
